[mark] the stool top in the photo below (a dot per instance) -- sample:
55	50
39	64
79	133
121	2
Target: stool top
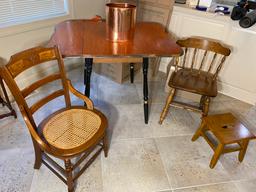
227	128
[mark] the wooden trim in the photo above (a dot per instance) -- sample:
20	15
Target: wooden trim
118	60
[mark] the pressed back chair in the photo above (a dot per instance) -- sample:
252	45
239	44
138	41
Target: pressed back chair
73	131
196	72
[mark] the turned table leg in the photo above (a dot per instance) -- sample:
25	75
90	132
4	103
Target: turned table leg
87	75
145	88
132	72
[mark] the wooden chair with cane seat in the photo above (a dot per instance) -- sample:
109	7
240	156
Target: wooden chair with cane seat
73	131
196	72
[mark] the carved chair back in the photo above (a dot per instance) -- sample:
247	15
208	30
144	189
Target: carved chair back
25	60
202	55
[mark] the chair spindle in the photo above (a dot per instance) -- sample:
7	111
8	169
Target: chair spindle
203	60
193	59
212	63
219	67
184	58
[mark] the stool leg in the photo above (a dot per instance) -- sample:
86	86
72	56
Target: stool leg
216	156
199	131
242	152
167	105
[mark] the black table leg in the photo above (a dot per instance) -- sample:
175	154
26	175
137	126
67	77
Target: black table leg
87	75
132	72
145	88
6	102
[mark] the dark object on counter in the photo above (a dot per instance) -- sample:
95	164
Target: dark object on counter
240	10
223	12
248	20
180	1
222	9
201	8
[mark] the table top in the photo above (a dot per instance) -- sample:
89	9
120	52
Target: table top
87	38
227	128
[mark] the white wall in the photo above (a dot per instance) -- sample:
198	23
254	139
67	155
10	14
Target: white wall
21	37
17	38
88	8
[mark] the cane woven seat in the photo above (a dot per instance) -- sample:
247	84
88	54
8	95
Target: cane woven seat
71	128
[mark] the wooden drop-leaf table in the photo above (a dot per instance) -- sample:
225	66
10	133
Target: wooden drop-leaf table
87	39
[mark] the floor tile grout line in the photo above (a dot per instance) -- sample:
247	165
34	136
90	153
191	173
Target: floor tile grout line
165	170
210	184
158	137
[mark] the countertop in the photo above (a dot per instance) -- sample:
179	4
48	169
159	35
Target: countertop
184	9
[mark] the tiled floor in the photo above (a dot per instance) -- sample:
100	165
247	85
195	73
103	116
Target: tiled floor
142	158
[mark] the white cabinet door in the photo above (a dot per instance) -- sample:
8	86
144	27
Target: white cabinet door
188	26
240	70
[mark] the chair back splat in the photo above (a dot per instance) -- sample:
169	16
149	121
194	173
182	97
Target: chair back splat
28	59
202	55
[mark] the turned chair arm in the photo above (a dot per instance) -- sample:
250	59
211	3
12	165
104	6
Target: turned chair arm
88	101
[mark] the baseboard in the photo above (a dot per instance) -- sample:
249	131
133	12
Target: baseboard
237	93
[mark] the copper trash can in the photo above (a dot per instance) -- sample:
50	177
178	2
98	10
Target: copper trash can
120	21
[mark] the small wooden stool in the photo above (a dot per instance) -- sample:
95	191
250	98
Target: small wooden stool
227	130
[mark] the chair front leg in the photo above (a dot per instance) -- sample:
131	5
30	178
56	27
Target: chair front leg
167	105
68	169
105	145
202	100
206	106
38	155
